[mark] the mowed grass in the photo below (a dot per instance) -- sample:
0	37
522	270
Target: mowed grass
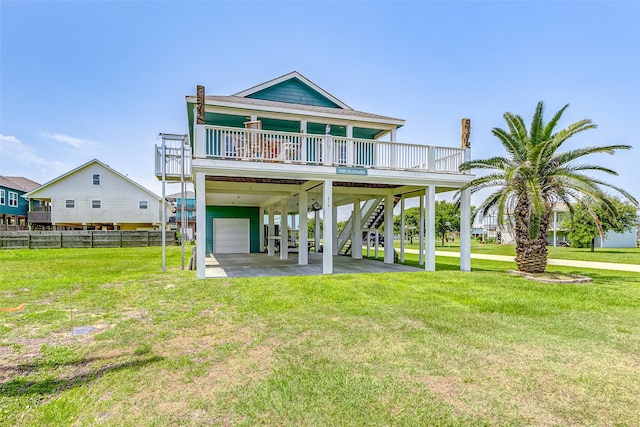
446	348
615	255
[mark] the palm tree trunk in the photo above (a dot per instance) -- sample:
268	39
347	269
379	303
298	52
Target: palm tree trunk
531	254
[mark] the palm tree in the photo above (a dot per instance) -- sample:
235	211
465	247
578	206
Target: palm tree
534	175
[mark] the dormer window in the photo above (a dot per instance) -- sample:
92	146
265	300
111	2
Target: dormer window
96	178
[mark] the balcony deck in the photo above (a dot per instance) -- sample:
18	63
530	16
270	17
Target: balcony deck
226	143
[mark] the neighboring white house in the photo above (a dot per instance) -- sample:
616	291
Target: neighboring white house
287	147
95	197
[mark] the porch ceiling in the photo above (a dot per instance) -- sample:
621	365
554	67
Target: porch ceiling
244	191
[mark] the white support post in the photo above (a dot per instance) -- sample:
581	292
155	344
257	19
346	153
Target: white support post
293	228
402	230
261	225
316	232
388	229
394	149
465	231
271	229
201	219
430	257
356	238
303	142
327	227
303	248
284	230
334	229
162	207
350	146
421	231
431	158
200	137
328	147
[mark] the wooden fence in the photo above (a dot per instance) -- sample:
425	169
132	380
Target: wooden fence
82	239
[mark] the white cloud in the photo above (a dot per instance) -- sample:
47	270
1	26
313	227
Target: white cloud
18	159
70	140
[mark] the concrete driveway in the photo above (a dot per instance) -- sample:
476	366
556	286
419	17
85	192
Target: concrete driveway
253	265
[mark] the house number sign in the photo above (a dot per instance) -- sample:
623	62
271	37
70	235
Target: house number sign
350	171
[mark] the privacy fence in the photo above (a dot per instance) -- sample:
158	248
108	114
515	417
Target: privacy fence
82	239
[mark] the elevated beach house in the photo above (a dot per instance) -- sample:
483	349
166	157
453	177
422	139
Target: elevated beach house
286	148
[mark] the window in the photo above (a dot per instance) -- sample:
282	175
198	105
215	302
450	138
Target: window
96	178
144	204
96	204
1	197
69	204
13	199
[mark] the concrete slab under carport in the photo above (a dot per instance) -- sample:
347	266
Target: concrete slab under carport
256	265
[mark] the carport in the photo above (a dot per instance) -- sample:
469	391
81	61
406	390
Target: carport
260	264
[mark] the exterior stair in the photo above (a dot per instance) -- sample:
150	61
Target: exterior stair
372	218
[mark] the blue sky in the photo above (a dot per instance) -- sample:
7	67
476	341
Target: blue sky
100	79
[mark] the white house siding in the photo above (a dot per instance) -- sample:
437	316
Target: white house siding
120	200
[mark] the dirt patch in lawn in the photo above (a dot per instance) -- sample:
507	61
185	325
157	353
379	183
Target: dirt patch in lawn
559	278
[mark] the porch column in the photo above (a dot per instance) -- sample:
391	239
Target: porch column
201	219
284	230
271	229
327	227
465	230
388	229
293	228
402	233
430	257
316	232
261	225
303	249
421	231
334	229
356	238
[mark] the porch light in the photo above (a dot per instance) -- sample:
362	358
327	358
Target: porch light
315	207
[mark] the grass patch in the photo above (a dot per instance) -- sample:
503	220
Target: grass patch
616	255
444	348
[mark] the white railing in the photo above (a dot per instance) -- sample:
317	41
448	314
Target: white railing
272	146
173	161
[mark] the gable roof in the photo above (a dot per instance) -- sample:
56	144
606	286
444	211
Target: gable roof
92	162
18	183
299	88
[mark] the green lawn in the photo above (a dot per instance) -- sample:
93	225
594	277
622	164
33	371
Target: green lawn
617	255
410	349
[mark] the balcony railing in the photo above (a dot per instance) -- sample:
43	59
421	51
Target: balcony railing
39	217
173	161
271	146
